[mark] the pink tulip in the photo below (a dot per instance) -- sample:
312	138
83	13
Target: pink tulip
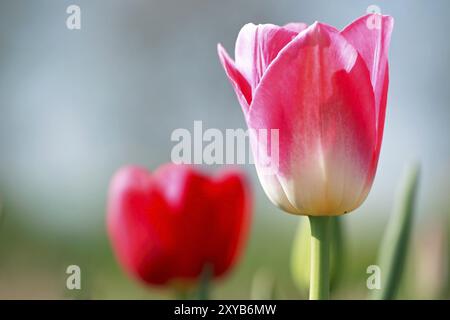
325	90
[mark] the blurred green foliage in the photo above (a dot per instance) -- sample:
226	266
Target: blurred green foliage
33	263
394	248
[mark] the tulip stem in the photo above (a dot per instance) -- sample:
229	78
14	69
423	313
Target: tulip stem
205	279
181	294
319	286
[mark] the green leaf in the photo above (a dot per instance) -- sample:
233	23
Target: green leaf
394	247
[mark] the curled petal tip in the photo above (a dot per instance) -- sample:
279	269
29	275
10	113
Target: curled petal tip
220	50
240	84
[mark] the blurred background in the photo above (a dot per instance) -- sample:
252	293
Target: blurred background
75	105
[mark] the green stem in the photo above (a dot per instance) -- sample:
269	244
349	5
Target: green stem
181	294
205	279
319	286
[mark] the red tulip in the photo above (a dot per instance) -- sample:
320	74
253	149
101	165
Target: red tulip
167	226
325	90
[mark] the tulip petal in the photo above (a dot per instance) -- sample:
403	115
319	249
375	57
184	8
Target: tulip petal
296	26
186	194
230	200
274	190
240	85
317	92
131	207
371	35
258	45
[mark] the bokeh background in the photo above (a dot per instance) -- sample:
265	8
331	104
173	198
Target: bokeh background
77	105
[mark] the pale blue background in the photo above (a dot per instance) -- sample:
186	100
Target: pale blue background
76	105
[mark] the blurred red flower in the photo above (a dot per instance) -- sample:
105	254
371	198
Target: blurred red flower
167	226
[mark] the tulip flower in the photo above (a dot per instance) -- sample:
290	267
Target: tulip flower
166	227
325	91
